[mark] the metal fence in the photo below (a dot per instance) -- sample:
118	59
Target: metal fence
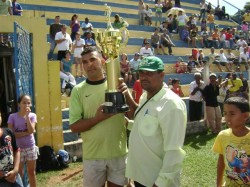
23	61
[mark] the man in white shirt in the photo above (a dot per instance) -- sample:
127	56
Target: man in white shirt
244	58
195	98
224	61
215	58
63	41
155	154
146	51
134	63
240	42
86	28
5	7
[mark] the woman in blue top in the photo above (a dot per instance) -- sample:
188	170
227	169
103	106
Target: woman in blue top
65	70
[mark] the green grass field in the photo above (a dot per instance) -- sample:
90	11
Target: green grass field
199	168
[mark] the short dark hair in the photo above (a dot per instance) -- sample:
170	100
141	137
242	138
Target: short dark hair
239	102
90	50
175	81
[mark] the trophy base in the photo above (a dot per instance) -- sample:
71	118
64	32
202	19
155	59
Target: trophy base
115	103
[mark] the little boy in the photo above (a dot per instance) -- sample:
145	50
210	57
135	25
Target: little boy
232	145
9	159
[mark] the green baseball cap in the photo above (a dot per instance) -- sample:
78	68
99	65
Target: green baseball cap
151	63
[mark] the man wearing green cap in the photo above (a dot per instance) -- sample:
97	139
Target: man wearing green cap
157	130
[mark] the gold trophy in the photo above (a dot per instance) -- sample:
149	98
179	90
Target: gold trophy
111	41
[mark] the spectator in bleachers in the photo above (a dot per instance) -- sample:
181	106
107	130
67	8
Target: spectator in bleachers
125	69
166	42
166	5
244	88
229	38
244	58
215	58
224	62
119	22
5	7
177	3
222	39
210	20
163	25
169	22
181	22
231	58
181	66
244	28
53	29
200	57
215	39
148	15
134	63
189	23
241	49
75	26
209	7
16	8
89	41
158	12
203	7
193	20
224	15
176	87
78	47
185	35
137	91
155	42
63	41
240	42
195	98
246	16
204	38
193	37
65	70
235	85
175	24
213	113
193	66
87	27
203	24
141	8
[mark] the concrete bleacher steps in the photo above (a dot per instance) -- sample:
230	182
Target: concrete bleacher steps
128	9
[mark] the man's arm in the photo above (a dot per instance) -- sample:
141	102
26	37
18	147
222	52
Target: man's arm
83	125
78	122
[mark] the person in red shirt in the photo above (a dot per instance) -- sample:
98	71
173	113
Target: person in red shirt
176	87
229	38
137	91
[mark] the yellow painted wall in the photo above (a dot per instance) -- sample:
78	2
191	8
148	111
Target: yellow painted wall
37	26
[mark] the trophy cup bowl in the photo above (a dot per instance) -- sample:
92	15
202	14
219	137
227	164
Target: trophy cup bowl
110	41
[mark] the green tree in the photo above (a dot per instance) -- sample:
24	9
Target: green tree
247	6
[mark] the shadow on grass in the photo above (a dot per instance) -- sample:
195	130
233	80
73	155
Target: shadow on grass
196	141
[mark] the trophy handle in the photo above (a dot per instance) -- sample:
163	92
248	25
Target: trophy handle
125	36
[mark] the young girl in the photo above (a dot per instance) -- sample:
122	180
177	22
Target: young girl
23	125
78	46
65	70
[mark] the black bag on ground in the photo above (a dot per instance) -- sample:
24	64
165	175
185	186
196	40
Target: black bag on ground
47	159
